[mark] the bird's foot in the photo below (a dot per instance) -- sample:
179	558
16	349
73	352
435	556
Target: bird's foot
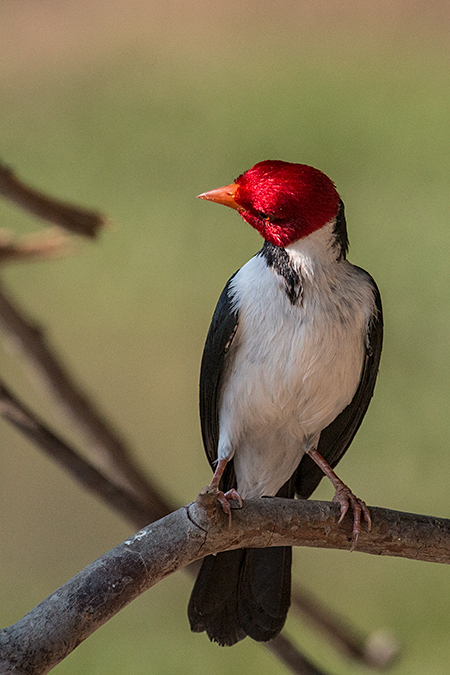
224	498
345	498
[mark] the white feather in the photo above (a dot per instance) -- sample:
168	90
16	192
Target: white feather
294	367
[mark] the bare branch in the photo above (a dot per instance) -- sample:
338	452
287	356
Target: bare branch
377	650
110	450
70	217
51	243
291	657
59	623
80	469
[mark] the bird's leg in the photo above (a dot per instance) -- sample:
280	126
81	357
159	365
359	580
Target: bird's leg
224	498
344	497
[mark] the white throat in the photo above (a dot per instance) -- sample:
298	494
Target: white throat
316	251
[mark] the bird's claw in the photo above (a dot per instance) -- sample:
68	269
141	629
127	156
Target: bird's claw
223	498
345	498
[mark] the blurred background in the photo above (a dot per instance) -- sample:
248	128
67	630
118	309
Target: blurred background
134	108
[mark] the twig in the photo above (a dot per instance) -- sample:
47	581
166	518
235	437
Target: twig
87	475
51	243
58	624
72	218
110	450
292	657
346	639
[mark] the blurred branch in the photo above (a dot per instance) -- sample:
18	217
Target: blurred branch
87	475
72	218
111	451
48	633
375	651
291	657
51	243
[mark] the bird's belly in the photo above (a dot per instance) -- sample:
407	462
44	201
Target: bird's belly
284	388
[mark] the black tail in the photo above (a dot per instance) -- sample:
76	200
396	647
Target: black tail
240	593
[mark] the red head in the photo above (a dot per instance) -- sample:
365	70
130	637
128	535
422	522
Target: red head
283	201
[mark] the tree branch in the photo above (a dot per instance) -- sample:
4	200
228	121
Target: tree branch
59	623
375	651
59	451
72	218
110	450
291	656
51	243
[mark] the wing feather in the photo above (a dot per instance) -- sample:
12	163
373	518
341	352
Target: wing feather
215	364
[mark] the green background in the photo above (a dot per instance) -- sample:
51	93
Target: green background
134	108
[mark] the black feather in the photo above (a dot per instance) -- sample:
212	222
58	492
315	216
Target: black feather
340	233
278	258
264	591
213	606
214	368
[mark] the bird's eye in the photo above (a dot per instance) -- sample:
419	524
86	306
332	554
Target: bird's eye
264	216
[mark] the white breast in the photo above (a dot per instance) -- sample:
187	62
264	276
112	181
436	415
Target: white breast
294	367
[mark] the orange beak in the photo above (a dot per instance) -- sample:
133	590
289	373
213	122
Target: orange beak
223	195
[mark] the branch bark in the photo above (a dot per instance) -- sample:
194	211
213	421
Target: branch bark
48	633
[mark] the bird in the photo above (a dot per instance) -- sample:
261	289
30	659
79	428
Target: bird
288	371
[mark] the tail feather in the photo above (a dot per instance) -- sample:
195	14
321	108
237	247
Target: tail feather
242	592
213	603
265	591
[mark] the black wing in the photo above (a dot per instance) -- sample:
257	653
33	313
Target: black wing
337	436
215	364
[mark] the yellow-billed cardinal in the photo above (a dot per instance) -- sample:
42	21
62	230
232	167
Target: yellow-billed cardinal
288	371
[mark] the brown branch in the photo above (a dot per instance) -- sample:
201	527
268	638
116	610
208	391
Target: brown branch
375	654
73	218
59	623
51	243
110	450
292	657
12	410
